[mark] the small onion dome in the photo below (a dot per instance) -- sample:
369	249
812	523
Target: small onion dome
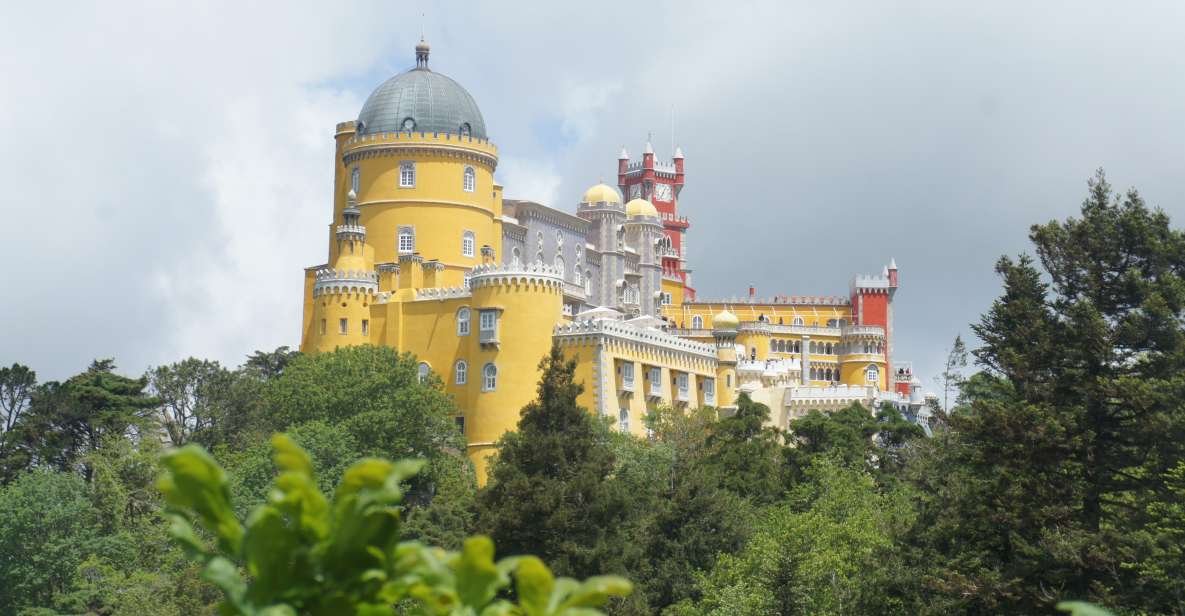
601	193
640	207
725	320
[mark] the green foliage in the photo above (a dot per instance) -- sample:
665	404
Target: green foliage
746	455
550	490
47	528
827	551
301	553
67	420
1057	469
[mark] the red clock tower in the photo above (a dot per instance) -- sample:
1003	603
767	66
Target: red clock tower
660	183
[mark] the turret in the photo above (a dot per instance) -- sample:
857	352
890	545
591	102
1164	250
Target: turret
623	162
724	330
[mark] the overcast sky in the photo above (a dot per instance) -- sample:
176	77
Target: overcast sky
166	169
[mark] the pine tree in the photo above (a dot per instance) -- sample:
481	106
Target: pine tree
550	491
1044	489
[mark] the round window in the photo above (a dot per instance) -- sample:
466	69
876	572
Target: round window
409	124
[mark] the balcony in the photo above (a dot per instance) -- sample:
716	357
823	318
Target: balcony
655	389
681	394
627	385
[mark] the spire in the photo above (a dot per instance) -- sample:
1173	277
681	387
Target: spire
892	263
624	155
649	148
422	53
678	152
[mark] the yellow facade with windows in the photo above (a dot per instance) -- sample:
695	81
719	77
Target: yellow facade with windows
424	257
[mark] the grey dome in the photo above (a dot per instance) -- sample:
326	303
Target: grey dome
432	102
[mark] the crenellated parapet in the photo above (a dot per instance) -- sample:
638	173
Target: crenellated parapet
332	281
413	143
620	332
515	274
354	233
442	293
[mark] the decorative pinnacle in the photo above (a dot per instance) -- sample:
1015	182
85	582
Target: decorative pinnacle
422	49
649	148
892	263
678	153
624	155
351	196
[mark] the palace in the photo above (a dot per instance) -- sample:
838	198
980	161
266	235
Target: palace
426	256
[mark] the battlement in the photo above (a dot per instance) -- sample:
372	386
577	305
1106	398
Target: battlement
625	332
332	281
515	273
349	126
361	145
780	300
345	232
442	293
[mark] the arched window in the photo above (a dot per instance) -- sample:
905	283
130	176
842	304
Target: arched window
697	322
578	277
422	372
872	374
461	372
798	321
773	346
753	353
489	377
516	256
559	266
827	376
468	244
470	182
812	347
539	257
797	346
463	321
464	129
623	420
588	283
355	179
827	350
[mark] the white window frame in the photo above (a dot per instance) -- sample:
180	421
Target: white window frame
681	381
627	374
365	327
461	372
697	322
343	326
489	377
516	256
872	374
408	233
463	317
355	179
559	266
469	183
422	372
488	320
799	322
710	390
407	174
468	244
623	420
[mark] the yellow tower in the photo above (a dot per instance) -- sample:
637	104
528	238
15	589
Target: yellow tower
724	330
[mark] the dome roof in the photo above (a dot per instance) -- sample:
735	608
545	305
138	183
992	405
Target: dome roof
601	193
725	320
423	101
640	207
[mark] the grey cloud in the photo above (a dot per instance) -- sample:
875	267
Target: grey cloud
820	142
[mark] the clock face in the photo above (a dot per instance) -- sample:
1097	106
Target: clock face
636	191
662	192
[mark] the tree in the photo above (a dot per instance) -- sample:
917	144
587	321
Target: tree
267	365
951	377
829	550
193	394
47	528
746	454
16	387
550	491
302	553
374	397
67	420
1048	480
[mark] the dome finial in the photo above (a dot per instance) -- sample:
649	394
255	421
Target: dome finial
422	53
